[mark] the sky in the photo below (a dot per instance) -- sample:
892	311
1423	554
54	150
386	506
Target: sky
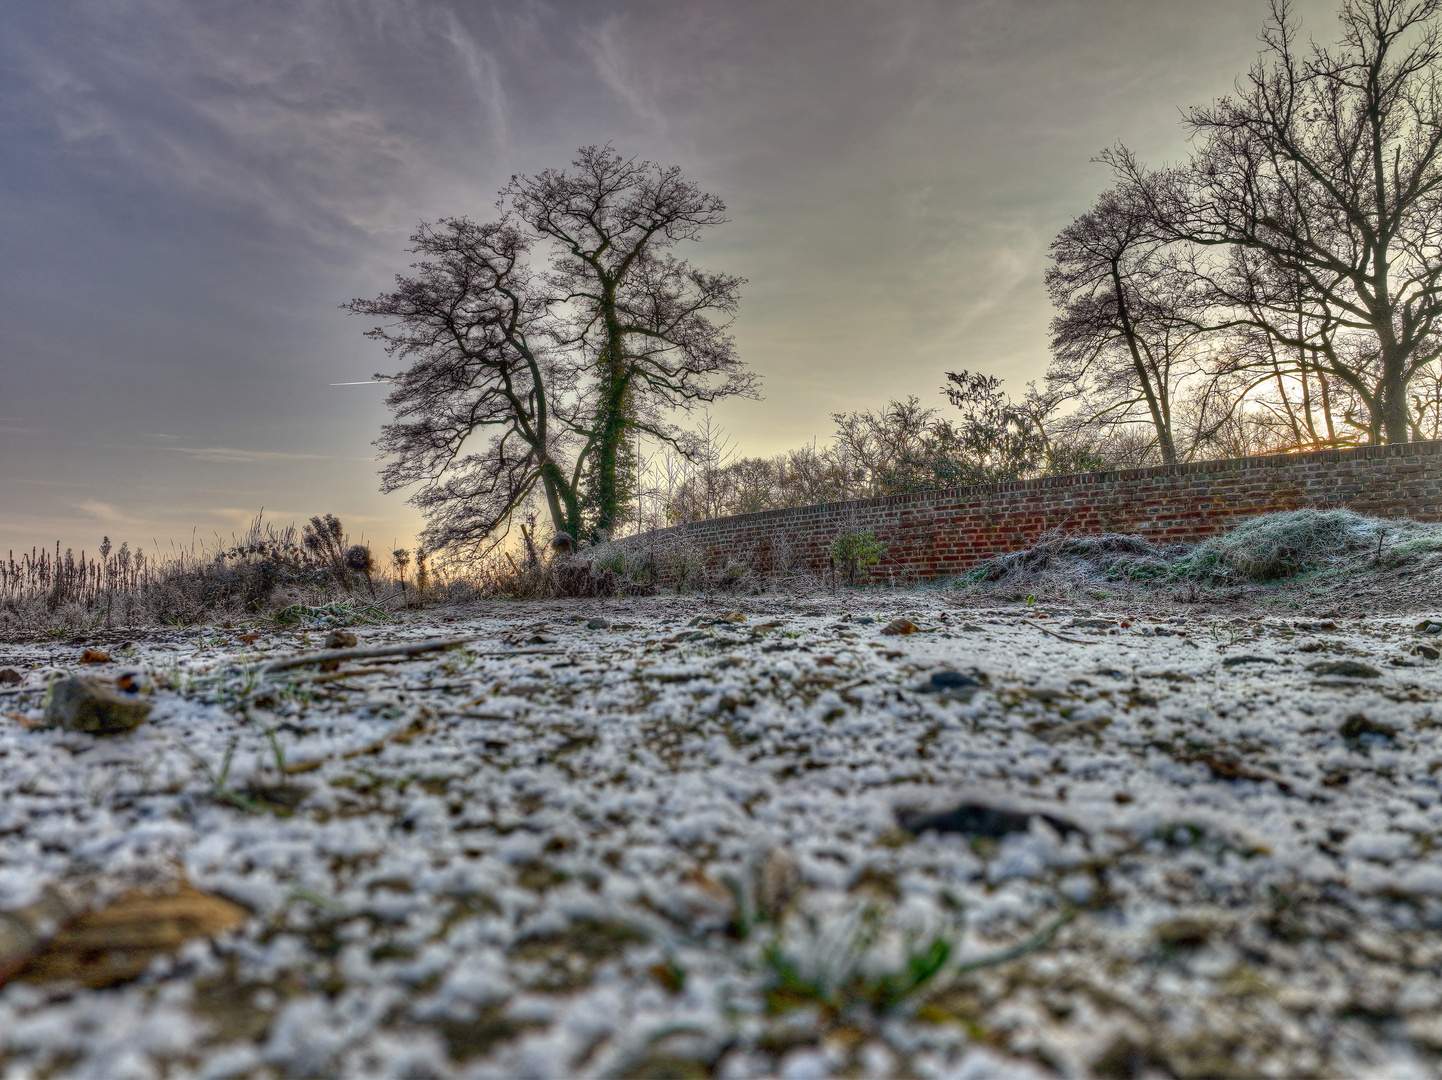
189	191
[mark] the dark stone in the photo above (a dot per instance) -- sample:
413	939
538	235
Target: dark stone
1358	724
597	624
977	820
10	677
951	684
1234	661
1347	669
340	639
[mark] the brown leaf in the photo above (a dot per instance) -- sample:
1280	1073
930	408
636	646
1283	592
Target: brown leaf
118	942
900	626
95	656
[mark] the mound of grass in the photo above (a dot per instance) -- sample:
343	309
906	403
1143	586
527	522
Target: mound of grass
1268	548
1276	546
1113	556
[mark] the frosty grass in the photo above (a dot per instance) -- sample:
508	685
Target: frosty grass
655	849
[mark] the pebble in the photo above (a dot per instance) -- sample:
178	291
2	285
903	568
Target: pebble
89	705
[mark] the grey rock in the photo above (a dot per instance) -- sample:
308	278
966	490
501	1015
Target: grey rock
953	684
92	706
340	639
976	819
1347	669
597	624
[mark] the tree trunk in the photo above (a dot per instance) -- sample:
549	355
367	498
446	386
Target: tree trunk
1392	395
608	451
1164	430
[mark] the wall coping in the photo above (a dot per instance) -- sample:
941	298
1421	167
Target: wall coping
983	492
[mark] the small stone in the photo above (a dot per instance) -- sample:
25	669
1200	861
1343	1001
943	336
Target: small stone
1347	669
1425	651
597	624
1235	661
777	880
900	626
90	705
1184	933
340	639
95	656
9	676
1430	626
1358	724
975	819
951	684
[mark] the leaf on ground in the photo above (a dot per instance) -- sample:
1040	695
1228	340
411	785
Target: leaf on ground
117	942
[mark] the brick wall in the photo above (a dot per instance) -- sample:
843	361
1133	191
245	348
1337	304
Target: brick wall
930	533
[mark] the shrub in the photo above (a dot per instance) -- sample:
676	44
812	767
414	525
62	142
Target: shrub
855	550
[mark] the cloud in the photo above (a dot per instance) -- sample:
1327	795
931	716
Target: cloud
231	455
105	512
607	48
363	382
484	74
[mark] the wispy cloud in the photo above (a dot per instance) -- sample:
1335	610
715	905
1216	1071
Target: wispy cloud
607	48
231	455
105	512
363	382
484	74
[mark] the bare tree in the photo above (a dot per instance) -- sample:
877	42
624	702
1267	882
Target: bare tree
1324	170
641	323
525	381
473	422
1127	331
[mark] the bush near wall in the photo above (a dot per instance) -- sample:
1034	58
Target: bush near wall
939	533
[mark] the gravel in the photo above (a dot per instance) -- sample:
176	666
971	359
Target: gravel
651	838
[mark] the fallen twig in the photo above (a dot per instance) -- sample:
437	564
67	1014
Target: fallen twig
408	648
1053	633
1040	940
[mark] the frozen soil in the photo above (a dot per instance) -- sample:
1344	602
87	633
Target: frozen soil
675	846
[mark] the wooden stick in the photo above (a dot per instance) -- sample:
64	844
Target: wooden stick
1053	633
410	648
405	649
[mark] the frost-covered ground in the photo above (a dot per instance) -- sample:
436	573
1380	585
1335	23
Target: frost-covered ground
666	847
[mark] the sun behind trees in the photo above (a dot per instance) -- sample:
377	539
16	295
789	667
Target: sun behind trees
526	379
1287	277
